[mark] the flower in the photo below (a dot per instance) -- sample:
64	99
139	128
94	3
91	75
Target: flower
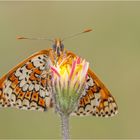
68	82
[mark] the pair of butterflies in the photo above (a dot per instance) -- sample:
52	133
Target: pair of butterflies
25	86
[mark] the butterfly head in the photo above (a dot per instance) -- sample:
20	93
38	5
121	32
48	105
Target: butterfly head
58	47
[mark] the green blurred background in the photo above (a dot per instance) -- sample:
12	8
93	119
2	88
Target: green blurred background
113	50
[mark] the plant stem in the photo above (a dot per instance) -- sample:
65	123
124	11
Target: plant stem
65	126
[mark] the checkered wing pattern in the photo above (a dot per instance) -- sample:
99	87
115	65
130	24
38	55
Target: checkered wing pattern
26	86
96	100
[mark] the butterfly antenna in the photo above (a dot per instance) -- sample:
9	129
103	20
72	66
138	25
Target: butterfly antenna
77	34
22	37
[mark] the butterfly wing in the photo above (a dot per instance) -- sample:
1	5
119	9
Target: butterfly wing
26	86
96	100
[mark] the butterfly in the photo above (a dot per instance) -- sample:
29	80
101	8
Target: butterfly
27	85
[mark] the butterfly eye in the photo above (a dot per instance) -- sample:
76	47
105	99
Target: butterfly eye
54	47
62	47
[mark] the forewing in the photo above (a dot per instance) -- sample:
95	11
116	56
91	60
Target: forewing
96	100
26	86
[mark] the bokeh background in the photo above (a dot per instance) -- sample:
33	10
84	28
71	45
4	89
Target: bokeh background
113	50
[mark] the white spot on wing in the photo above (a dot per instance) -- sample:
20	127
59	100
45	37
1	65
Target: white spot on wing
47	93
42	93
47	100
97	95
36	63
13	98
37	86
81	110
31	86
33	105
25	102
93	102
9	91
18	103
7	83
22	83
18	73
89	82
25	87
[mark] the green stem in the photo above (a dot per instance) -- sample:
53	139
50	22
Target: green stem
65	126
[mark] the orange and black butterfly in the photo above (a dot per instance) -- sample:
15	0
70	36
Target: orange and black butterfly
26	85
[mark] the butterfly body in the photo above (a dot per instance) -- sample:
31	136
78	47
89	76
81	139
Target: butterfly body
27	85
